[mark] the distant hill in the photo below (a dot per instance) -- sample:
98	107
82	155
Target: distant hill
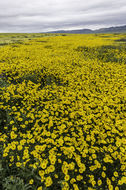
117	29
81	31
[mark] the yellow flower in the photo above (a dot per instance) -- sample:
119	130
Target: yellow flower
26	122
73	180
99	182
13	135
71	166
103	174
55	175
65	185
20	119
113	178
94	156
59	161
5	154
19	147
18	164
120	182
75	186
116	188
48	181
44	164
41	172
93	183
110	187
108	181
89	188
116	174
39	188
51	168
31	181
82	168
67	177
23	126
79	178
13	147
11	122
104	168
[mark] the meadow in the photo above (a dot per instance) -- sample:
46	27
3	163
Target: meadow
62	112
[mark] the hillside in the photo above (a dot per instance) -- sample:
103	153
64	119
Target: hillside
117	29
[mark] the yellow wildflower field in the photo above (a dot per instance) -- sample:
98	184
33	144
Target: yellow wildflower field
63	113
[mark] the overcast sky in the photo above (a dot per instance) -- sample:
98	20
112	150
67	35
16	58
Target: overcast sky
48	15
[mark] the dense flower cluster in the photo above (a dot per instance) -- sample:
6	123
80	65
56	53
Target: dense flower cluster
64	112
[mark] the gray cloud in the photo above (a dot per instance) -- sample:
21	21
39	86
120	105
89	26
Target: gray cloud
41	16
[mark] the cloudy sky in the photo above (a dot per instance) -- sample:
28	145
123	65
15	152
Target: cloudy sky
48	15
